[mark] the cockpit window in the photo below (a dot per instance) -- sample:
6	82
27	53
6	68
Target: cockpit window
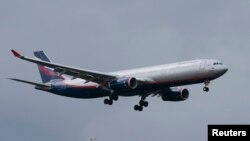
217	63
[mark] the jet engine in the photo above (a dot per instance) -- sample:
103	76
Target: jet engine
123	84
174	94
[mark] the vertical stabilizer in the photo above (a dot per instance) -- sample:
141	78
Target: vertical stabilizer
47	74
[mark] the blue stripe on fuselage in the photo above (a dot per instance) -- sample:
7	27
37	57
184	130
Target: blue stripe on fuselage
93	92
78	92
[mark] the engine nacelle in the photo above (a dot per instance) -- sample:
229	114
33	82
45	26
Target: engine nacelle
123	84
174	94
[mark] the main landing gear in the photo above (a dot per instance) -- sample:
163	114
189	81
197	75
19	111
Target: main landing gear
110	100
142	104
205	88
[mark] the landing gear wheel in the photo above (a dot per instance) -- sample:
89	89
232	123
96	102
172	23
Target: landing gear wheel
110	102
114	97
106	101
206	89
138	108
143	103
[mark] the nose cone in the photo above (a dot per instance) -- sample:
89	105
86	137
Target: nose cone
226	69
223	69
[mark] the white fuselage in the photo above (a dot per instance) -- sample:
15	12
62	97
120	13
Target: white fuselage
175	74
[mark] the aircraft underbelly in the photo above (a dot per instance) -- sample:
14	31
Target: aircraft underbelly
82	92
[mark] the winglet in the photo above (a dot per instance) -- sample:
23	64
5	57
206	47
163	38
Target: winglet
15	53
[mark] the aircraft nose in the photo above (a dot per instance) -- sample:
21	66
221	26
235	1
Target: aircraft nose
223	70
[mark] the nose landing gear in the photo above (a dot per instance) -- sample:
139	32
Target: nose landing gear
205	88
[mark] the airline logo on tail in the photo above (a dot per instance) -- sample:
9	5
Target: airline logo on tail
46	74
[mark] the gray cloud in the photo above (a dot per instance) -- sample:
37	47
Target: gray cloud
114	35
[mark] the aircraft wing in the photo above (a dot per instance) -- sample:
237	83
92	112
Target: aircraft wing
93	76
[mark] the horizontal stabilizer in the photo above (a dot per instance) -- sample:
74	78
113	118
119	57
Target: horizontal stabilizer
31	83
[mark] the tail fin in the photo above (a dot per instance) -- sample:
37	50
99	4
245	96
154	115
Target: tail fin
47	74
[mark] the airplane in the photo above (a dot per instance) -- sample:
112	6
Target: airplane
165	81
92	139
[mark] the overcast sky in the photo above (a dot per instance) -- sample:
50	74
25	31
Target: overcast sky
110	35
